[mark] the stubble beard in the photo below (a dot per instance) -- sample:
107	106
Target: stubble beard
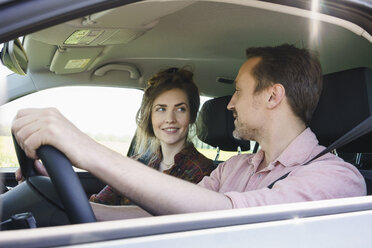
242	132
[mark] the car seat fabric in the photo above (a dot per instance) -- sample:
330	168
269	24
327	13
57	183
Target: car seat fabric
346	100
216	123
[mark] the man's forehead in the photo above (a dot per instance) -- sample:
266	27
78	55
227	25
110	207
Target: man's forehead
249	64
245	70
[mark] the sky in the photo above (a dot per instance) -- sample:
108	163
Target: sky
93	109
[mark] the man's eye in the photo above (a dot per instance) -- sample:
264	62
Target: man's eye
181	109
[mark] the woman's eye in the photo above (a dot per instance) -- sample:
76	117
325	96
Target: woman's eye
160	109
181	109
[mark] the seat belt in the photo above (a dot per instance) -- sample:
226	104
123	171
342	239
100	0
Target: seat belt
362	128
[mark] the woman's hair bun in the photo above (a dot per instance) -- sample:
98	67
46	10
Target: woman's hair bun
171	74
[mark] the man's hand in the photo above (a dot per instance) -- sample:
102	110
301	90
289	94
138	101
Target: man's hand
33	128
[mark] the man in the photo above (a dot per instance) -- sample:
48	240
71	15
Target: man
277	90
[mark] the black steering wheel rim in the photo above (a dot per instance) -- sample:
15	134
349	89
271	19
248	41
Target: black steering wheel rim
64	179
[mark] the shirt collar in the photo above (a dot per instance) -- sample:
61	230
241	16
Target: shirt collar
187	151
302	146
256	159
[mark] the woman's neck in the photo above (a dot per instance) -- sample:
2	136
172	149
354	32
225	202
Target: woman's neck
169	151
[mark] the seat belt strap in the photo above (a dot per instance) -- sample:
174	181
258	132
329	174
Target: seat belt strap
281	178
361	129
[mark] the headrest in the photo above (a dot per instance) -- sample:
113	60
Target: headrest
346	100
216	124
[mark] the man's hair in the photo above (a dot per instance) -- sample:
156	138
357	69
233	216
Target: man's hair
298	70
172	78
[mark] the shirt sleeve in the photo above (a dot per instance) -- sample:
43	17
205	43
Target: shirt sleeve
319	181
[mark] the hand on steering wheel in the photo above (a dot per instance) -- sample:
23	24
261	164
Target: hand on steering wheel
64	179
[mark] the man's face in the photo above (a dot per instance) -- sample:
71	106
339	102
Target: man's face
246	105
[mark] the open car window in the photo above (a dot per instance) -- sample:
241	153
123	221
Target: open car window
106	114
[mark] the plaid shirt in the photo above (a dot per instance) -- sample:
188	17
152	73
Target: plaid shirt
190	165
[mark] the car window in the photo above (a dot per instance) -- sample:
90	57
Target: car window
106	114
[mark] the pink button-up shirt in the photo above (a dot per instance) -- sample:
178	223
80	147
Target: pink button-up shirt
327	177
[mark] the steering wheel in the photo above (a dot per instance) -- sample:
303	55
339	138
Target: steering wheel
64	179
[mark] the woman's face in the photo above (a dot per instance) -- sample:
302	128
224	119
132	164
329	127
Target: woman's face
170	116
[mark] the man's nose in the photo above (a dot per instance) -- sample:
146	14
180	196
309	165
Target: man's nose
231	104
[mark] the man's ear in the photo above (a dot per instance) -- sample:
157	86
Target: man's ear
276	94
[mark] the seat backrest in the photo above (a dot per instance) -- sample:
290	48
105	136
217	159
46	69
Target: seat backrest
346	100
216	124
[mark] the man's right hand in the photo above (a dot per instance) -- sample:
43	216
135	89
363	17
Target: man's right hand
33	128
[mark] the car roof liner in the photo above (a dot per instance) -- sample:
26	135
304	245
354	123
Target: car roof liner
357	12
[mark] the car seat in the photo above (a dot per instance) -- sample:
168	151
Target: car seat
346	100
215	125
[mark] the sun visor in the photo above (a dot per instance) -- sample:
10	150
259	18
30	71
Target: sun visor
73	60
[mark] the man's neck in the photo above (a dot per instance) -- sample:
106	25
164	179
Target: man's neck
277	139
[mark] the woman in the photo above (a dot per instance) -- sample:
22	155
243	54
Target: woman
169	107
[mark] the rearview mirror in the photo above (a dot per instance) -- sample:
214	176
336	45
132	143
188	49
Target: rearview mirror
14	57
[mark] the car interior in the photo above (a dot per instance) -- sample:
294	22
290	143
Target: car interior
123	46
215	124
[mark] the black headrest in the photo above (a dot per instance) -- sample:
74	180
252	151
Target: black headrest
346	100
216	124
